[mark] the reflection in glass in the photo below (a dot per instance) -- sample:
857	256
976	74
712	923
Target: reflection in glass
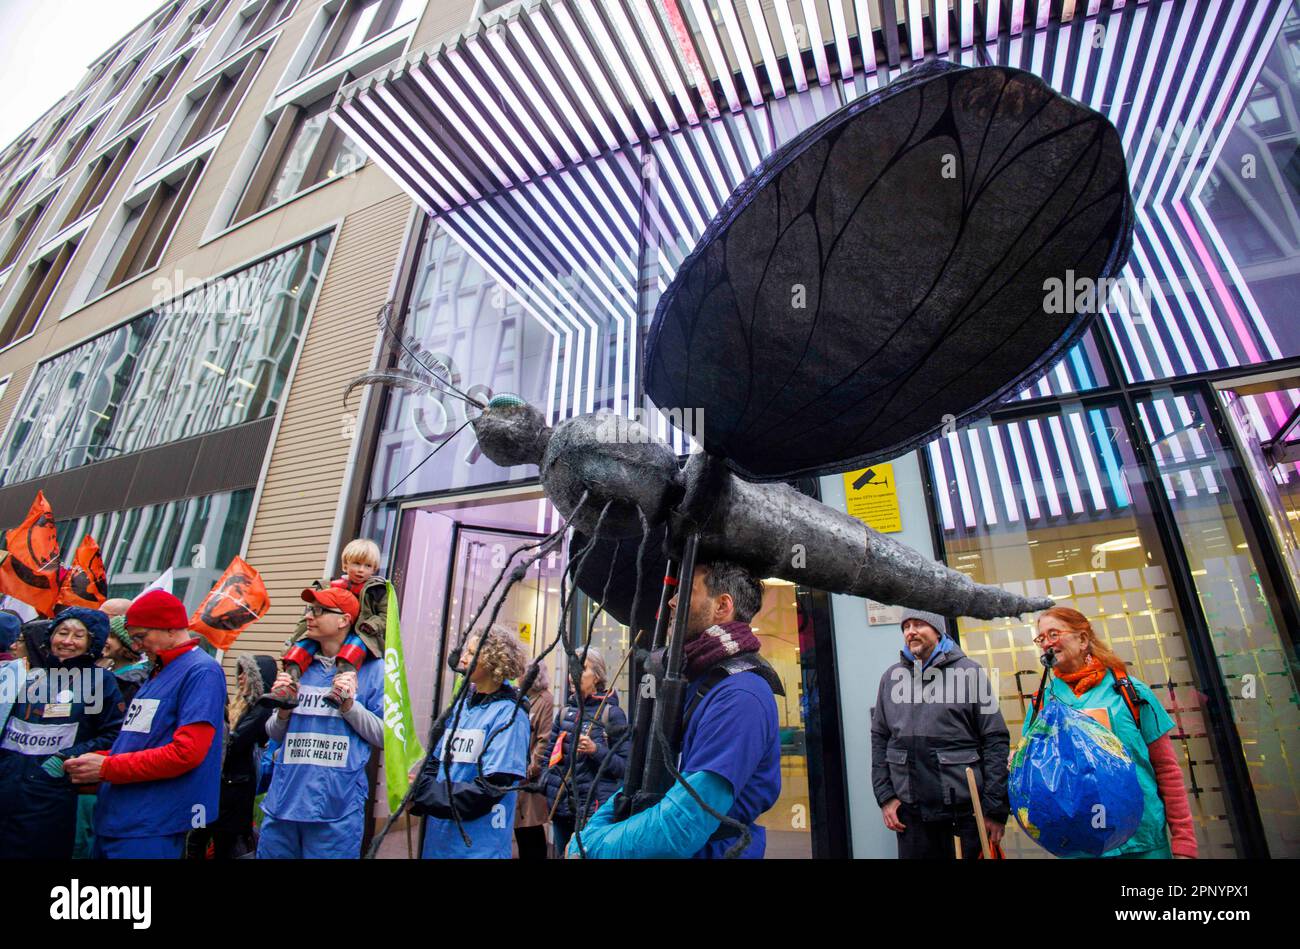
462	319
196	537
1045	513
218	356
1239	604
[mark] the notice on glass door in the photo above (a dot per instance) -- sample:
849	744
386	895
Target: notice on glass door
871	495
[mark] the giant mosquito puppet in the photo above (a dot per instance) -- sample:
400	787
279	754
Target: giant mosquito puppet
877	280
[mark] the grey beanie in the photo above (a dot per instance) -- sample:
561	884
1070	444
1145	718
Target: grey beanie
934	619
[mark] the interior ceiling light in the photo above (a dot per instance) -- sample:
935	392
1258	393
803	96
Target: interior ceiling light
1119	543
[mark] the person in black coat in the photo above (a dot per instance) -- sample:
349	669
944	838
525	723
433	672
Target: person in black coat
602	750
231	834
69	707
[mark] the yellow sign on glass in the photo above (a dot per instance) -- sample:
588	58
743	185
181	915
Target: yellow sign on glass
871	495
526	632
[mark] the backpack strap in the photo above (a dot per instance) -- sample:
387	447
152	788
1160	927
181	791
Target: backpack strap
725	668
1132	698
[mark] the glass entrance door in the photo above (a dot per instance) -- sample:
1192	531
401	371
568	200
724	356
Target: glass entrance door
531	607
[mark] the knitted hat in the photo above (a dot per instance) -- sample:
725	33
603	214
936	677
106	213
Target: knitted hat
157	609
934	619
117	626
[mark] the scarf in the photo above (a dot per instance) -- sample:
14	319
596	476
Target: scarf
717	643
1090	675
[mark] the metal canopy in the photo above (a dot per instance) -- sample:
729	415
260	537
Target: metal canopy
552	83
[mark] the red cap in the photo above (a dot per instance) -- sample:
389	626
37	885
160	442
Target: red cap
157	609
335	599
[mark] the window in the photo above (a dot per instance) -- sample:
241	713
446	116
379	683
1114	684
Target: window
155	90
140	543
14	161
26	225
212	108
30	300
149	226
354	23
256	22
99	180
305	148
95	73
55	130
122	77
201	19
162	19
76	145
16	189
1070	515
218	356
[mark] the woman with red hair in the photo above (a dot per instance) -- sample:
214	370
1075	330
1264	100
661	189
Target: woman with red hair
1089	677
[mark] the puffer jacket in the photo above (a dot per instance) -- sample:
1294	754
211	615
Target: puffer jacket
38	809
928	727
612	737
244	745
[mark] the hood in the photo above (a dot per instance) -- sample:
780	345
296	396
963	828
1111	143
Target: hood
37	635
10	627
267	666
95	622
260	672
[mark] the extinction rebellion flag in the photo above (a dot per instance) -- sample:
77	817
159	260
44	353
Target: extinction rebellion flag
30	572
237	601
86	582
402	750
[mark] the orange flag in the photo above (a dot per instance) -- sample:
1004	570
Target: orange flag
86	582
31	571
237	601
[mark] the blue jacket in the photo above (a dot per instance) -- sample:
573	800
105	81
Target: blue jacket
612	739
38	809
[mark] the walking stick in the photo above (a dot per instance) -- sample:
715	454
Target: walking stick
979	815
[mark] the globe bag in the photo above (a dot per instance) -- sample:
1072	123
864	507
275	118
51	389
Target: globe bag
1073	785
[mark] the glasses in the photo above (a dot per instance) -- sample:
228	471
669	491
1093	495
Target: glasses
1051	636
318	611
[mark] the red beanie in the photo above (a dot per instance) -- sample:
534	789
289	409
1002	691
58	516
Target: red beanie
157	609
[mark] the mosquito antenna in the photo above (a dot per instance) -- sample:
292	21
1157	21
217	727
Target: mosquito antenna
439	376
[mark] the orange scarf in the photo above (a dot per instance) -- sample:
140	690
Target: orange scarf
1089	676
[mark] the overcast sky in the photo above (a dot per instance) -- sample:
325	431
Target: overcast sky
45	47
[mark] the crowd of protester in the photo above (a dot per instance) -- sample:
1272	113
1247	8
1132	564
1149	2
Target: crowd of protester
122	739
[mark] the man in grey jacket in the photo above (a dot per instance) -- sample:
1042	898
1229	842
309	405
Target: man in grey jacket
935	716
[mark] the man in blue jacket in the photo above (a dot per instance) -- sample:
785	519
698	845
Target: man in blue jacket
162	777
731	744
315	807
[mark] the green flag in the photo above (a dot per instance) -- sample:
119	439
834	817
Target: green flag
402	750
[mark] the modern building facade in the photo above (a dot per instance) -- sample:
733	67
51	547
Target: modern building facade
192	260
195	243
567	155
